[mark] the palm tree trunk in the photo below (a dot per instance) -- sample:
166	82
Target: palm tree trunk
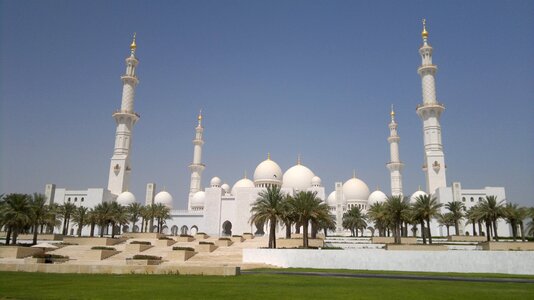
448	233
522	231
15	235
305	234
456	227
488	228
112	230
495	230
8	235
101	230
479	227
272	233
423	234
297	228
142	224
514	230
64	225
313	231
92	229
288	230
429	232
35	227
474	228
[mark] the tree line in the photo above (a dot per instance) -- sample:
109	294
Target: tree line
23	213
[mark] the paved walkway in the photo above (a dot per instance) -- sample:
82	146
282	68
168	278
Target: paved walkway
396	276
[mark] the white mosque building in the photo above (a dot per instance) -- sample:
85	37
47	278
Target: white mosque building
221	210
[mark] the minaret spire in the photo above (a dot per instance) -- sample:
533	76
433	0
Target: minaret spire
196	166
125	118
395	166
430	112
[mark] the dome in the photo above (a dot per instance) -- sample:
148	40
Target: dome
268	171
331	200
126	198
164	198
355	189
225	187
198	199
316	181
414	196
377	197
298	177
215	182
243	183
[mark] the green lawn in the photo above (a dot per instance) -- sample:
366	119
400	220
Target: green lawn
20	285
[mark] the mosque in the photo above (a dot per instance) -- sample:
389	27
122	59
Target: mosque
221	210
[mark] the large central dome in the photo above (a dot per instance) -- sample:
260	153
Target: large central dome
268	172
298	177
355	189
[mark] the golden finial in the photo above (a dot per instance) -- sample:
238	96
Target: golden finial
200	117
133	46
298	159
424	34
392	114
268	156
353	173
245	176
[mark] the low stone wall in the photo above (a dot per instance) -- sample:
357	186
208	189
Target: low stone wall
142	235
462	261
165	243
136	247
205	248
40	237
466	238
94	241
122	269
504	246
237	239
99	254
391	240
180	255
417	247
223	243
248	236
296	243
18	252
184	238
143	262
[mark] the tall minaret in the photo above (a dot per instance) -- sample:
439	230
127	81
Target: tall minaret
395	165
196	167
429	112
120	168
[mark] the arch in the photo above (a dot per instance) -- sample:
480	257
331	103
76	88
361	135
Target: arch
183	229
165	229
194	229
125	228
174	230
136	228
227	228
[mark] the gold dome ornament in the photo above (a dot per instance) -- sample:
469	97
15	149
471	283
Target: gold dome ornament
133	45
424	34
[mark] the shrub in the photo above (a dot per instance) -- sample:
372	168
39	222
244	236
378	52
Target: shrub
206	243
186	235
224	239
201	233
165	238
235	235
141	243
67	244
48	256
247	233
148	257
183	248
102	248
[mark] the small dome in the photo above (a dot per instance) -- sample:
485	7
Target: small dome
331	200
226	187
377	197
243	183
164	198
316	181
198	199
355	189
414	196
215	182
268	171
298	177
126	198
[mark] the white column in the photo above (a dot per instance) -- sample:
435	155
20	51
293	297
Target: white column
395	166
196	167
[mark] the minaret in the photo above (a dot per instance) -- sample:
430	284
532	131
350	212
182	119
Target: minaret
196	167
395	165
120	168
429	112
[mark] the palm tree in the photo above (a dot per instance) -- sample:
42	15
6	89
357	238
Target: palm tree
456	208
523	213
396	211
377	213
471	217
144	213
92	220
66	211
287	216
325	221
161	213
511	212
426	207
490	210
446	220
353	220
268	207
307	208
118	217
16	212
103	214
134	210
38	213
80	217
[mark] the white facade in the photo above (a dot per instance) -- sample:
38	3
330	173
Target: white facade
221	210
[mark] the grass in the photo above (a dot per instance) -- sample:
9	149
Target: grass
18	285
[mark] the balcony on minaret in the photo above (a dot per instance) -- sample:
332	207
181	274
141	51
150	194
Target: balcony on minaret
126	112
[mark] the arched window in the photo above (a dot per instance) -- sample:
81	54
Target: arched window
82	199
463	199
471	199
68	199
75	199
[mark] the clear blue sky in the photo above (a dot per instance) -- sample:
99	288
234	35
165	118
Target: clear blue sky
285	77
